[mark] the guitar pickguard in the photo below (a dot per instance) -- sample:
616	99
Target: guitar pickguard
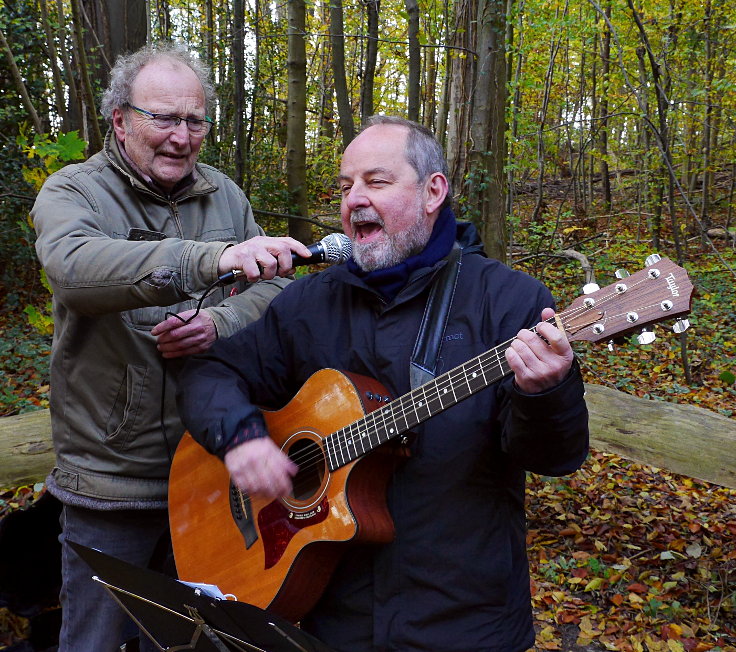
278	526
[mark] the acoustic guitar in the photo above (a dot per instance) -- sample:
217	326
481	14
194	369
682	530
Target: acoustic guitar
340	429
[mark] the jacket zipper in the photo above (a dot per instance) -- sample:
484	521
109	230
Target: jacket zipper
174	206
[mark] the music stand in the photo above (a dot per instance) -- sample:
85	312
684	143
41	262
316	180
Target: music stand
176	616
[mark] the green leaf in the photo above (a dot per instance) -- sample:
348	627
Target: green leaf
70	146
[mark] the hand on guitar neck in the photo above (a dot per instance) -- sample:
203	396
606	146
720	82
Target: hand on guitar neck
540	360
260	467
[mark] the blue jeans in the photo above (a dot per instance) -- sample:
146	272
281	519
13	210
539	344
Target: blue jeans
92	621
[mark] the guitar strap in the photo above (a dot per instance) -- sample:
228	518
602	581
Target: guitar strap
423	365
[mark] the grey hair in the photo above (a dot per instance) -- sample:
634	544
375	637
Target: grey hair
423	152
127	67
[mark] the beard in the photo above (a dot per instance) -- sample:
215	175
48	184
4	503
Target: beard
393	248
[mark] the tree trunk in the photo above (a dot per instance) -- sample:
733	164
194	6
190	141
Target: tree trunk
415	61
60	101
371	57
296	171
89	109
255	84
337	38
20	85
603	123
238	47
487	155
460	94
74	111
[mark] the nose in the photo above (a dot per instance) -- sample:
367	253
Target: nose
357	197
180	134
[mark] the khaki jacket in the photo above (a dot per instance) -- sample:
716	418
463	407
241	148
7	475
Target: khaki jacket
120	256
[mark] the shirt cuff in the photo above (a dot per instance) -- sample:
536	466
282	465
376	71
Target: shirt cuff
253	430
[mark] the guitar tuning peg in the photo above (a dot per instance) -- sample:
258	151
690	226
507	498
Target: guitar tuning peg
611	345
681	325
653	258
589	288
622	273
646	336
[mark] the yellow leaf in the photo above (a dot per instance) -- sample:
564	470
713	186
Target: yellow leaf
594	584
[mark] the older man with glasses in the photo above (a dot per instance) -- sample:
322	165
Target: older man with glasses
134	242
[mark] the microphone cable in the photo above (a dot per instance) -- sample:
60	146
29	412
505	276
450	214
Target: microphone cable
224	279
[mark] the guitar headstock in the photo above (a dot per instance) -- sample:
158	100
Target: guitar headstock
660	291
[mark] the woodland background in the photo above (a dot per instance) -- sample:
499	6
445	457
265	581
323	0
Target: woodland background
581	136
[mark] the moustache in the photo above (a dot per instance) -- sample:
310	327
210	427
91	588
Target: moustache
365	215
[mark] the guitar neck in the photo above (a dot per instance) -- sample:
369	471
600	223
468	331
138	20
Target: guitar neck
409	410
660	291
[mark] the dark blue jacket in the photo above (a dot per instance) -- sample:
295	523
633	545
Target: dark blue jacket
456	576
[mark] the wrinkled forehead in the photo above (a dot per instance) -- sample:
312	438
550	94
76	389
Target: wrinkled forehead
167	77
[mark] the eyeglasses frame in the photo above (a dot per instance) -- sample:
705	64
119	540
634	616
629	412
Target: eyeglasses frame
179	119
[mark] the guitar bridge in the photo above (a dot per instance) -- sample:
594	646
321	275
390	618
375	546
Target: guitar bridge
242	513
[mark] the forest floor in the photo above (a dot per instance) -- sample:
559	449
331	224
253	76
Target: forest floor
623	556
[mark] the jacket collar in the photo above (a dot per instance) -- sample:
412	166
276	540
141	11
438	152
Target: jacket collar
197	183
417	282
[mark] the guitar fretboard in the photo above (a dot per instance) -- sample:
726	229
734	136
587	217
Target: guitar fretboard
409	410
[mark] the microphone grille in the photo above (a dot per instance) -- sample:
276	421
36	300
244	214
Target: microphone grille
337	247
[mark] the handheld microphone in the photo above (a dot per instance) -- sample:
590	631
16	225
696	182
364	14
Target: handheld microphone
333	248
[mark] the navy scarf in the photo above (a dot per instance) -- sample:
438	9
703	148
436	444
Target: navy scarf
390	280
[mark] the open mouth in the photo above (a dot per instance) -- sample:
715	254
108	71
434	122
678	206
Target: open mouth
366	230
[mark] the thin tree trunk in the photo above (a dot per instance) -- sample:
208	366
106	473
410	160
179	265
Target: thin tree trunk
541	150
415	60
255	86
603	123
705	218
75	106
371	57
20	85
327	89
238	46
337	38
296	171
515	111
441	124
60	102
89	110
429	103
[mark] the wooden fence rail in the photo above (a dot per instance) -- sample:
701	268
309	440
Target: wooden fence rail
684	439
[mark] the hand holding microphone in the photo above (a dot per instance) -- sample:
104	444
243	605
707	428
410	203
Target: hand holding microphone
264	257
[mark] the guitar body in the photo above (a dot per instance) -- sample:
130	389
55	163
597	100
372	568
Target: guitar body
279	554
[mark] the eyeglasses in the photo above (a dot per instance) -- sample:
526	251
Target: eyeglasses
166	122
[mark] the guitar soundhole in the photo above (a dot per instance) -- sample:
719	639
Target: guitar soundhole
308	456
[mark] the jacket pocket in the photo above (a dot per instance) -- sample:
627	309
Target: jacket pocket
126	407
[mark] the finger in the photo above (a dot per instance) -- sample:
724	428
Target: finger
554	337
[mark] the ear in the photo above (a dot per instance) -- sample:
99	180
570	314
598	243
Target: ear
118	124
435	192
